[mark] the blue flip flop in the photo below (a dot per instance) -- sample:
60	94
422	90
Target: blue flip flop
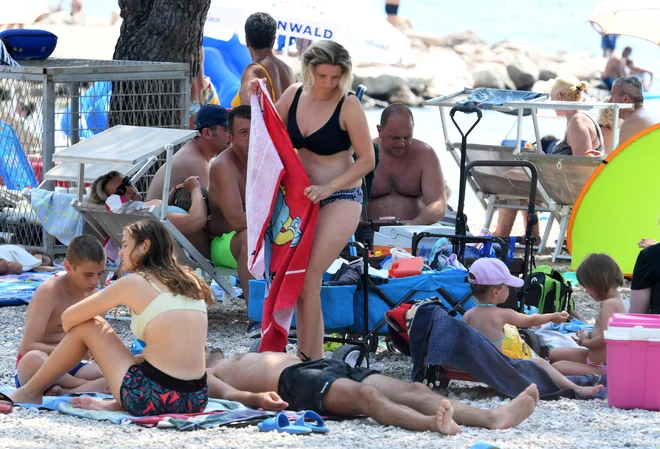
281	423
312	420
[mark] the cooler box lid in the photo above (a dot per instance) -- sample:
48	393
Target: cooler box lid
632	326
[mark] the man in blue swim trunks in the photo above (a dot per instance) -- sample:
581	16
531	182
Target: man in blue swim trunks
616	67
608	44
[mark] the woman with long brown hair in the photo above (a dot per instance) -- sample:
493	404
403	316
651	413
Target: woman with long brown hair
168	311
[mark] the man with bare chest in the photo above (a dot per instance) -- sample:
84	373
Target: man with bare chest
228	177
408	183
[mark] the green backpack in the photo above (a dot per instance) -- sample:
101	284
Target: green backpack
549	291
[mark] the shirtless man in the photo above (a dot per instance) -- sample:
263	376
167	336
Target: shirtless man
408	182
628	89
194	159
332	387
616	67
260	33
228	225
84	264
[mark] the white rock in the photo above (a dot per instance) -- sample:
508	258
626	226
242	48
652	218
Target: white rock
381	83
406	96
449	70
450	40
523	71
493	75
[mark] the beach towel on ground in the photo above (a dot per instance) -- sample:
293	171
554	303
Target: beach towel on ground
281	220
54	212
17	289
217	413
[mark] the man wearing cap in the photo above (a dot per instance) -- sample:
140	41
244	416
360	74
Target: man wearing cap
194	159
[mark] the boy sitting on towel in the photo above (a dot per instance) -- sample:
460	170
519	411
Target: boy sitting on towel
84	264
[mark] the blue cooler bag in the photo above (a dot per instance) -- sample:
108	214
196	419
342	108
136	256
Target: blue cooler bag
30	44
336	304
450	284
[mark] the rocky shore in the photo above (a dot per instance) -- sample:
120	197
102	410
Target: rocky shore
447	64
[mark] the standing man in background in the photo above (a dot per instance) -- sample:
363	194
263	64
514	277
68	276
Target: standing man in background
608	44
392	9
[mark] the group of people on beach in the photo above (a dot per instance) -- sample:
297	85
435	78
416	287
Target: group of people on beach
177	373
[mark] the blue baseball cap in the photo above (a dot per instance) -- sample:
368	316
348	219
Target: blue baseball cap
211	115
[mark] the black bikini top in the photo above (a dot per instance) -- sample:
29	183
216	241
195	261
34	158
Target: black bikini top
328	140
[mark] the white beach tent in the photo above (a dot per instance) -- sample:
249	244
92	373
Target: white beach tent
637	18
359	26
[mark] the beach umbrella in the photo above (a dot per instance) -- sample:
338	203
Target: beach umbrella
637	18
357	25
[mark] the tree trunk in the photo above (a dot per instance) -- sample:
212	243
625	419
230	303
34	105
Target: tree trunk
163	31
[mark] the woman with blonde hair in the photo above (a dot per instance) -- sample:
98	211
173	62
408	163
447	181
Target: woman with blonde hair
327	125
583	136
168	311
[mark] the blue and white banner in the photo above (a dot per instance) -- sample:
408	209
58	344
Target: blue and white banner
358	26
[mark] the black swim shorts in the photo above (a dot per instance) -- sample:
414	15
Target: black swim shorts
305	384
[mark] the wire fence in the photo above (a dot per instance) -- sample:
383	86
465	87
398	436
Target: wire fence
47	106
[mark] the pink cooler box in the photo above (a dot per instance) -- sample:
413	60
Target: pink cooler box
633	361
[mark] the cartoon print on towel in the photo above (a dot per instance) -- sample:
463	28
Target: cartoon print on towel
289	228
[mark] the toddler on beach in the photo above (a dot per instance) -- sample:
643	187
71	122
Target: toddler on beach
84	264
490	280
601	277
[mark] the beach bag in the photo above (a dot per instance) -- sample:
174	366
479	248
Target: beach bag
30	44
549	291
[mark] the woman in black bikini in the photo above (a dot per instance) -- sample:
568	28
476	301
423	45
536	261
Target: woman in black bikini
327	125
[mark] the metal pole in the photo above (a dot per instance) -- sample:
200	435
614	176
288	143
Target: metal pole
48	140
185	101
81	182
519	133
48	148
615	128
537	133
75	112
169	150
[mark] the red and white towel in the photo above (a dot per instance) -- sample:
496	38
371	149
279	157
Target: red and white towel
281	219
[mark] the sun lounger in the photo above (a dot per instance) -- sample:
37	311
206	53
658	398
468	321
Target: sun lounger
112	225
562	179
497	186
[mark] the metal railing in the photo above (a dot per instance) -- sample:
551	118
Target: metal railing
49	105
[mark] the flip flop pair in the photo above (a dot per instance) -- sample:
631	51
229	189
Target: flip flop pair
6	404
306	423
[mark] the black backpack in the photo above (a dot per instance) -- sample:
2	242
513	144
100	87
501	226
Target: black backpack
549	291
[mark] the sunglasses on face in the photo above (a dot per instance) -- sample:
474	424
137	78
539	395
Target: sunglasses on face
121	189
